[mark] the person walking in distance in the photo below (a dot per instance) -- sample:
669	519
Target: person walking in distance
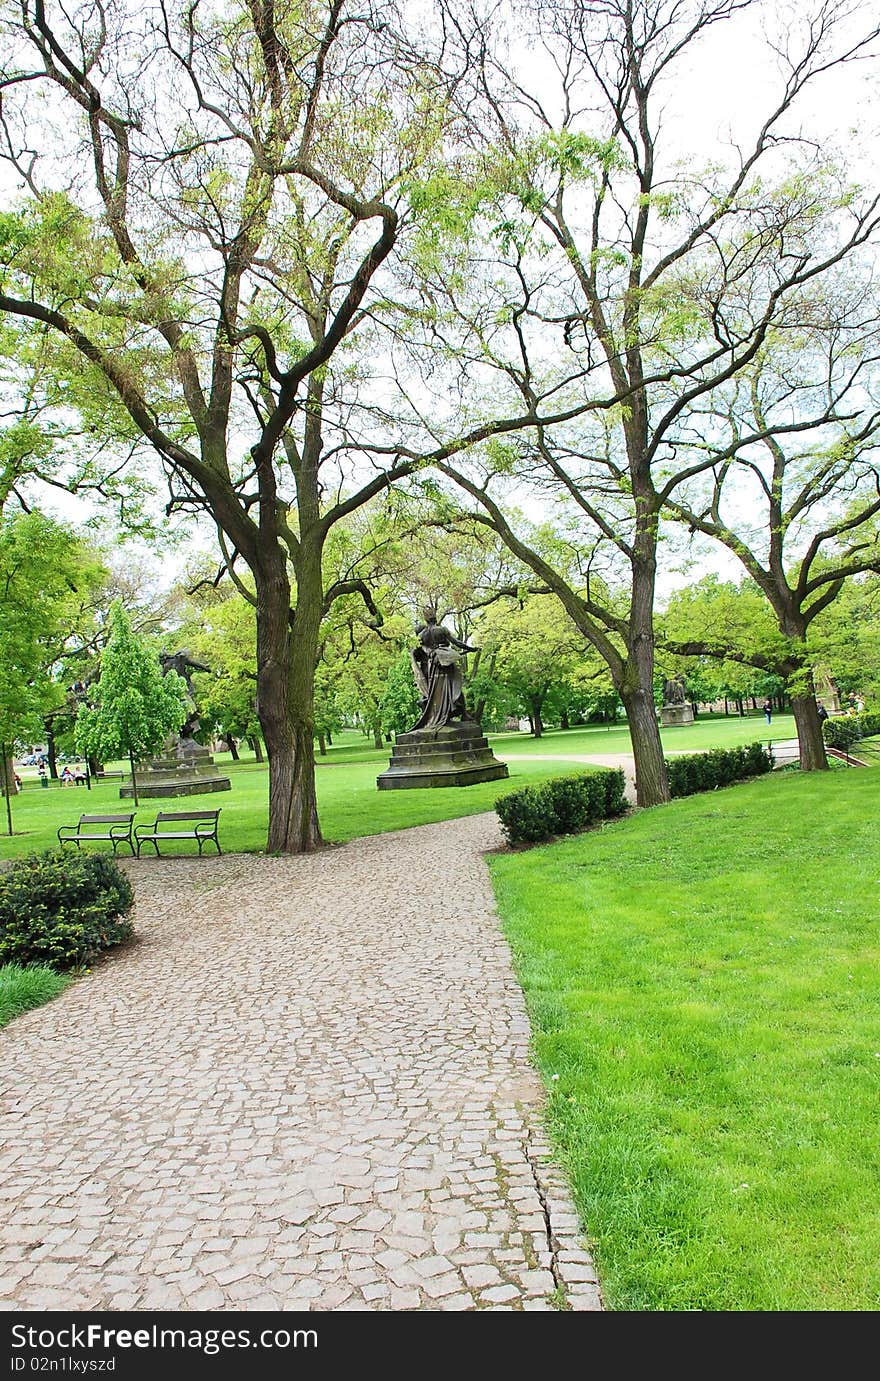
768	711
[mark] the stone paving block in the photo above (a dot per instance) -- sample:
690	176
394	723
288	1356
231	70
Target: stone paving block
353	1123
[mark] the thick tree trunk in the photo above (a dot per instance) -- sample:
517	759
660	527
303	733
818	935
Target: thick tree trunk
231	745
811	744
652	782
322	745
285	698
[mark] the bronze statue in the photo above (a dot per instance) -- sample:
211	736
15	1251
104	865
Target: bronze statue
183	664
437	669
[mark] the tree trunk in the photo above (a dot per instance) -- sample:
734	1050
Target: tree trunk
286	659
378	740
329	738
652	782
231	745
134	785
94	766
322	745
563	720
52	754
726	707
811	744
257	747
8	773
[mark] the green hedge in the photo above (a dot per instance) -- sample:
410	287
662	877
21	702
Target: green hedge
62	909
720	767
843	732
564	805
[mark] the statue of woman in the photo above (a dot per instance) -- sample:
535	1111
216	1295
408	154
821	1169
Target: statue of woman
437	668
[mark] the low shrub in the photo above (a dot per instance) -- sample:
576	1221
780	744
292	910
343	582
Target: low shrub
847	730
62	909
721	767
564	805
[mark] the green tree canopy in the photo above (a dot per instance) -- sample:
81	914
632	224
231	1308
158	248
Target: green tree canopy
135	707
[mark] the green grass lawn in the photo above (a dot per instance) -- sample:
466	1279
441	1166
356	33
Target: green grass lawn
349	802
709	731
704	986
24	987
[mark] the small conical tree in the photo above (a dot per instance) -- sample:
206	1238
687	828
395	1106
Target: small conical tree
135	706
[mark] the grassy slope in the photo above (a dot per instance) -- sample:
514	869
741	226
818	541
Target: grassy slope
23	988
704	981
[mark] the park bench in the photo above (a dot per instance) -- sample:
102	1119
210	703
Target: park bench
116	829
201	827
108	776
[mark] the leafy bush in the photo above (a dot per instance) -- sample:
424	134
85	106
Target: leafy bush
62	909
563	805
842	733
720	767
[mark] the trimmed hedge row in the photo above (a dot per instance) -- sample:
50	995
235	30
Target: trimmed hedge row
842	733
720	767
564	805
61	909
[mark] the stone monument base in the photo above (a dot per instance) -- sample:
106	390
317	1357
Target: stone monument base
456	755
672	715
190	773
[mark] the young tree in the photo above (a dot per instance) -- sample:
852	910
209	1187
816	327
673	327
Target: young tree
538	653
135	706
46	576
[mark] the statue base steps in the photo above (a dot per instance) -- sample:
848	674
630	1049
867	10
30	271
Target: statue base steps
672	715
193	775
456	755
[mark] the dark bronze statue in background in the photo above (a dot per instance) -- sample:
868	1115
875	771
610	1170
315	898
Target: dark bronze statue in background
446	747
436	664
183	664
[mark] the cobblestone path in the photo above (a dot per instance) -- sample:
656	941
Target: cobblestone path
307	1085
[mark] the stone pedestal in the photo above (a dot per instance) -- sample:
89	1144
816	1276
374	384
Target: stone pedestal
186	769
672	715
456	755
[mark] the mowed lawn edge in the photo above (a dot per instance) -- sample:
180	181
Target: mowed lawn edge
703	984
